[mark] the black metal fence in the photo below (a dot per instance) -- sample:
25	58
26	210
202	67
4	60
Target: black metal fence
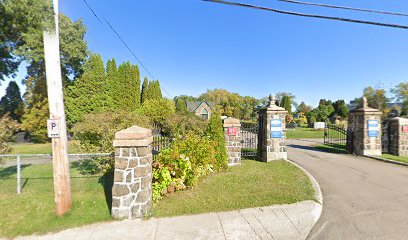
159	143
335	136
249	139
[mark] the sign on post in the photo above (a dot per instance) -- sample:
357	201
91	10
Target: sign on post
53	127
373	128
232	131
276	128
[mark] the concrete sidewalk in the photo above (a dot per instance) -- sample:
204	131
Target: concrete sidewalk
292	221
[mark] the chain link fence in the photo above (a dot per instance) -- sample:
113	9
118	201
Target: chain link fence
31	173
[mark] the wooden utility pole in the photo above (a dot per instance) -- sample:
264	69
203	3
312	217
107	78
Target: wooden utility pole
57	124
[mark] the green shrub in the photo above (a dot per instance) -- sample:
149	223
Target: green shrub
183	163
8	126
158	110
97	131
180	124
215	131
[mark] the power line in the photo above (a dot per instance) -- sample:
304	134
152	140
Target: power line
308	15
345	7
124	43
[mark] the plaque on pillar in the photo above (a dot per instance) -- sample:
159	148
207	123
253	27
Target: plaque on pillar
373	128
276	128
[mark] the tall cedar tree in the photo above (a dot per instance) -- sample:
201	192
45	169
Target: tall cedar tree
88	94
145	90
12	103
112	82
135	87
154	90
128	89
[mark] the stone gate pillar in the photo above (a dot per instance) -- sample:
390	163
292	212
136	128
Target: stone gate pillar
271	135
132	186
398	139
365	129
232	136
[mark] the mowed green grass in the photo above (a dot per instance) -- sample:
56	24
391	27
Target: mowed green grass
395	158
40	148
32	212
253	184
304	133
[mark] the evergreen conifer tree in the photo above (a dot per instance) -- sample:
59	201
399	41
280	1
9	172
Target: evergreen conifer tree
145	90
134	87
88	93
112	82
12	102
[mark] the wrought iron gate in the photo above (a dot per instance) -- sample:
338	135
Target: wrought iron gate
249	139
337	137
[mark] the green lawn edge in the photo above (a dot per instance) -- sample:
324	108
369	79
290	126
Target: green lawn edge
252	184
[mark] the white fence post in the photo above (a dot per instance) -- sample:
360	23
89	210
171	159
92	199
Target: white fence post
18	174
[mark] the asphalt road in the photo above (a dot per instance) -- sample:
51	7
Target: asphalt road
362	198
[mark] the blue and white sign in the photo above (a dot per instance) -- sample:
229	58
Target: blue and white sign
373	128
276	128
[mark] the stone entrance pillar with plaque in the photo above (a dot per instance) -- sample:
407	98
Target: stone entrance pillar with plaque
365	129
232	135
271	135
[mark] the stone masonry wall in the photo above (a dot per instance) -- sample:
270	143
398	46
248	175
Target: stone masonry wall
358	127
132	187
398	141
233	140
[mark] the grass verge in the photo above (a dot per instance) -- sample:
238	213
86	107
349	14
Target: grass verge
304	133
395	158
32	212
253	184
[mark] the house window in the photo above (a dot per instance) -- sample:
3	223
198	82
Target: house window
204	113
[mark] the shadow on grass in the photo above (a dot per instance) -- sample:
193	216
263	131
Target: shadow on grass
8	171
107	182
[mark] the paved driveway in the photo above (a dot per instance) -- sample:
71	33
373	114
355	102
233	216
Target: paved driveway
362	198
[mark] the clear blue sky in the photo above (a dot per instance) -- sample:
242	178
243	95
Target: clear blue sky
192	46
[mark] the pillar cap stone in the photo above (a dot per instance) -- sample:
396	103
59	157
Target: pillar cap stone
364	108
134	136
398	121
272	105
231	122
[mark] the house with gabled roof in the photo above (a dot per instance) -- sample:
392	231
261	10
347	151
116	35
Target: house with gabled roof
202	109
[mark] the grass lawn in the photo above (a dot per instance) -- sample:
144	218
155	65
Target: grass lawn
253	184
304	133
39	148
395	158
33	210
